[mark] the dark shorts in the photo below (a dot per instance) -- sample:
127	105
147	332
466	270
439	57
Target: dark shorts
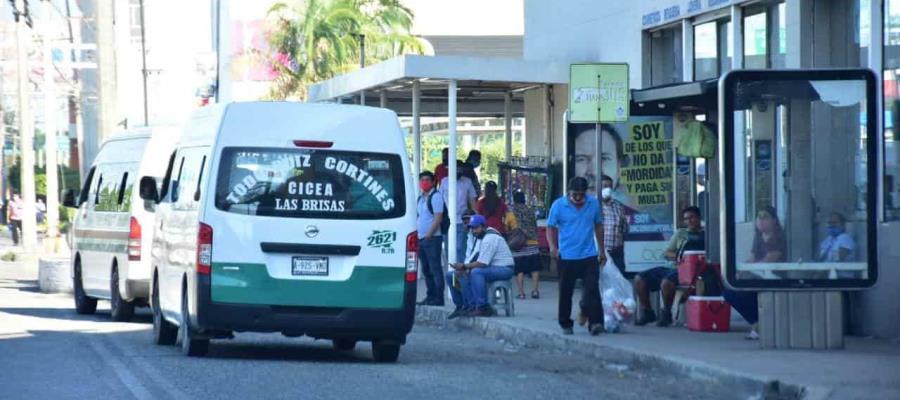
654	277
528	264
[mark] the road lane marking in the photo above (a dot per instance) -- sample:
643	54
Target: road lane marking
151	372
132	383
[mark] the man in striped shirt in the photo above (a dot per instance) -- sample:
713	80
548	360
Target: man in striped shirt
615	223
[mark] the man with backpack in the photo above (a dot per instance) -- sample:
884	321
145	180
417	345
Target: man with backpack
430	213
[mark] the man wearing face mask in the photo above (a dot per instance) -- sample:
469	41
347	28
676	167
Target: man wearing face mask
574	231
839	245
615	223
428	226
473	160
490	261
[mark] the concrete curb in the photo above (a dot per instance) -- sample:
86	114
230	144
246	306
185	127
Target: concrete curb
498	328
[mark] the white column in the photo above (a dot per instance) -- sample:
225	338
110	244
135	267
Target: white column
507	118
382	99
876	62
417	128
452	206
223	48
687	50
737	37
26	132
51	112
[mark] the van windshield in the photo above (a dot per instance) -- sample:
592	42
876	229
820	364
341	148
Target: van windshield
306	183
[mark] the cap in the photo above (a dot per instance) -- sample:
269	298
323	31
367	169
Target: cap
477	220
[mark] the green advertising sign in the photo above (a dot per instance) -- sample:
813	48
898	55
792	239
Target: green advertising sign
598	93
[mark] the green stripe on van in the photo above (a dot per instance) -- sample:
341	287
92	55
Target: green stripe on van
368	287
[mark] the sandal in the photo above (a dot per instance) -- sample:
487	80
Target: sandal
520	296
535	294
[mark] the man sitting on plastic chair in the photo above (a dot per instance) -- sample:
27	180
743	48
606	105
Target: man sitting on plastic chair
490	261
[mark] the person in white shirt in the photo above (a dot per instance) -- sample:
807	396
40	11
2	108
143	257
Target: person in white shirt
465	199
493	261
839	245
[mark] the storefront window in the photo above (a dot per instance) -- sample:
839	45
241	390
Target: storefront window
665	56
891	108
712	49
755	45
765	41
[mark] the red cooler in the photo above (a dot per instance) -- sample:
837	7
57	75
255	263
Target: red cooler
692	263
708	314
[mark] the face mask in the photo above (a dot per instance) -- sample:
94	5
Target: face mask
425	186
765	225
578	201
835	231
606	193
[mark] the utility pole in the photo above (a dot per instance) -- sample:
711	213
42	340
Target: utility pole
26	127
362	64
144	63
106	70
50	130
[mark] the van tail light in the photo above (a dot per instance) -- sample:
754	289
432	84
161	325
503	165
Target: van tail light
134	240
412	256
314	144
204	249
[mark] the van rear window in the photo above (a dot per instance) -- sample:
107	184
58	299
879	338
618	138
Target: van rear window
306	183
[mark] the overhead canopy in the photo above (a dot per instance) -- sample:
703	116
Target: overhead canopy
690	96
482	84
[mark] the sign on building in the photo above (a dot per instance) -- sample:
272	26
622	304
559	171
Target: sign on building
598	93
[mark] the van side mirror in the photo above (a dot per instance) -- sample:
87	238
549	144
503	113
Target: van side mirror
69	197
148	189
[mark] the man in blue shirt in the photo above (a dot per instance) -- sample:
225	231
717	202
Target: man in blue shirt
430	210
574	230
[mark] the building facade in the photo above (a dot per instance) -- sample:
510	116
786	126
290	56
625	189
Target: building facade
668	43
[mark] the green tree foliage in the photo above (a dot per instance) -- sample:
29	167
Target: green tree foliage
492	147
68	178
314	40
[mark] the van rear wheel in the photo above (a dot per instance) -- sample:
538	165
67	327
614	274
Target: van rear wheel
343	344
164	332
191	345
119	309
385	351
83	303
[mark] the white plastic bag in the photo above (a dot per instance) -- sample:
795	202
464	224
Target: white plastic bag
617	295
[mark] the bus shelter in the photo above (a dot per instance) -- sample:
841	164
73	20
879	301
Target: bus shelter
445	86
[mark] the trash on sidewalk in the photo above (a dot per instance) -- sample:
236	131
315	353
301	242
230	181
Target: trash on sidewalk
617	295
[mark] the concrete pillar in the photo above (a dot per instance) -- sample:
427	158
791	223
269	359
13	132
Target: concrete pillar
507	123
452	206
382	99
687	50
417	127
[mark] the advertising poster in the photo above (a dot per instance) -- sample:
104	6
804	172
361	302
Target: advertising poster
637	156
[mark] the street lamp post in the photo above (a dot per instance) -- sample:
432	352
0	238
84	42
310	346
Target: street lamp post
26	128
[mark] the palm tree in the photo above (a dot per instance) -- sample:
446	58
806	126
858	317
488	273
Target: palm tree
317	39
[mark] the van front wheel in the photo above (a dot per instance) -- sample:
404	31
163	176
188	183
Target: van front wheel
164	332
120	309
190	345
83	303
385	351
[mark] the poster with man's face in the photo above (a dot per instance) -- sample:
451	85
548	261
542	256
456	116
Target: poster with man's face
636	156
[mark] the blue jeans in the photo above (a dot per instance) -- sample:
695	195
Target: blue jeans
430	259
461	296
746	304
460	243
480	277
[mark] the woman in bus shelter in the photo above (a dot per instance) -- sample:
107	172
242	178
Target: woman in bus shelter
769	246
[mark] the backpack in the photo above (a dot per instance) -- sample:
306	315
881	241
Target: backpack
709	283
445	219
516	239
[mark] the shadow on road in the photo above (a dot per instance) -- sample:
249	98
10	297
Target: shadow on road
141	316
24	285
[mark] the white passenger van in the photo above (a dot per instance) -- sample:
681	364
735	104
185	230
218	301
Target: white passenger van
111	229
286	217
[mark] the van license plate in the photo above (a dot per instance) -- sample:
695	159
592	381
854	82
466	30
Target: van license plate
306	266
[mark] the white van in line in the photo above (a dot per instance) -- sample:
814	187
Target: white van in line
286	217
112	225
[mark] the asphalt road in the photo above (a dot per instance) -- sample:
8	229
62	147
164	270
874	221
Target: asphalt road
48	351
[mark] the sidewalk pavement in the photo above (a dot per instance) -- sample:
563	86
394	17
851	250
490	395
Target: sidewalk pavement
866	368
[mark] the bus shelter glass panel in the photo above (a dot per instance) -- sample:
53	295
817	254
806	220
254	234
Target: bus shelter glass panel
799	180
